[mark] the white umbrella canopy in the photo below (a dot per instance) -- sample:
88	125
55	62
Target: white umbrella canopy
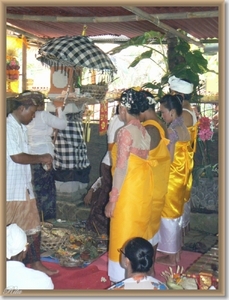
75	51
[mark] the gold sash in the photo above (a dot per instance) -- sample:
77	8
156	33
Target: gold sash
178	179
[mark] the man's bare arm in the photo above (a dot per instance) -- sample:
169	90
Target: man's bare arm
25	159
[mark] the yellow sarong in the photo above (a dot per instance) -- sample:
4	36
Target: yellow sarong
160	160
132	214
178	179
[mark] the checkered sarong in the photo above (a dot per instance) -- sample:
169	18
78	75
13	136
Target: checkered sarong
75	51
70	148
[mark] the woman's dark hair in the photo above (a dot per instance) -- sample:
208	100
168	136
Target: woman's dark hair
134	101
150	97
140	253
172	102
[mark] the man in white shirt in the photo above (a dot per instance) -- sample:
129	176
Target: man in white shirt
18	276
40	131
20	201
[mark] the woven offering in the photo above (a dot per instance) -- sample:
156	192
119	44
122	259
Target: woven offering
96	91
180	281
53	238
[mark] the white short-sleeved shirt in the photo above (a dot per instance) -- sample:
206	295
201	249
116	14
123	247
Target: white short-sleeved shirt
18	175
19	277
146	283
40	131
114	125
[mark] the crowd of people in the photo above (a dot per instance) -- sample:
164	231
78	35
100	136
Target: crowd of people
141	199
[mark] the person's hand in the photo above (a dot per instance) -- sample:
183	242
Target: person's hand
46	159
109	209
58	103
87	198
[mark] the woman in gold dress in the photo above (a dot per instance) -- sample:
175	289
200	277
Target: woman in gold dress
185	88
130	201
170	233
160	159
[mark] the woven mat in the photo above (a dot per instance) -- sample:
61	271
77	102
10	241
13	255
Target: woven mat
208	263
61	223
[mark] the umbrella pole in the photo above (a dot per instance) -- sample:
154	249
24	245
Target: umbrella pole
70	80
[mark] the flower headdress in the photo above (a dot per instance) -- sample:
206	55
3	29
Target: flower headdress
127	98
149	97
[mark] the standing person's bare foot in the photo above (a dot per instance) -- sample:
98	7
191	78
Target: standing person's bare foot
40	267
169	260
185	230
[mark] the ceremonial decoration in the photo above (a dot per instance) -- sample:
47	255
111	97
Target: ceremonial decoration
204	138
12	68
103	119
75	51
180	281
73	247
72	54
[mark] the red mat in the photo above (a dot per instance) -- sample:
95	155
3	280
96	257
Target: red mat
187	259
79	278
92	276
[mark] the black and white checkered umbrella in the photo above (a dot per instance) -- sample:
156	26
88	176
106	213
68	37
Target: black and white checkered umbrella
75	51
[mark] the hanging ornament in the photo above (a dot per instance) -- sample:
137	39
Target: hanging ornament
103	118
12	68
84	30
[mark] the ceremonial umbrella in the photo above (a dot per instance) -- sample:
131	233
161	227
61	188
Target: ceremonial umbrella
75	51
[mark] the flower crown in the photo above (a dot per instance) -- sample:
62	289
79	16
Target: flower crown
127	98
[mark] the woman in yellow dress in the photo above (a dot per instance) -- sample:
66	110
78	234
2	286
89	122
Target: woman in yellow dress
160	159
170	233
130	201
185	88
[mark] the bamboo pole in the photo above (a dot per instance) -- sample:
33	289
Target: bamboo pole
114	19
24	66
27	34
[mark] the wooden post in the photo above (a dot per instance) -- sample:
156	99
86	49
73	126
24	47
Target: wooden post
24	66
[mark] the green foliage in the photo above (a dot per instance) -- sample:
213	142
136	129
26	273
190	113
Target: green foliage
146	54
182	47
145	39
155	86
191	63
